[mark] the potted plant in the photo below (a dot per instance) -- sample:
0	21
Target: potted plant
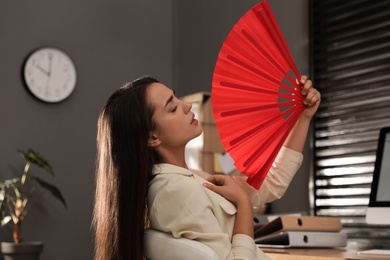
17	197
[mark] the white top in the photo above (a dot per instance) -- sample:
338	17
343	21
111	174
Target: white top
179	204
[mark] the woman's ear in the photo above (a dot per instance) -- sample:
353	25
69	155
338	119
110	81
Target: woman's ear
153	139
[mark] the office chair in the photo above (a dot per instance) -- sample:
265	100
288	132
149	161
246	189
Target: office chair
163	246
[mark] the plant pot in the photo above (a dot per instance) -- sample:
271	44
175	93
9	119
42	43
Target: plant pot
22	251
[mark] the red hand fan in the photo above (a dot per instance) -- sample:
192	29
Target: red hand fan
256	99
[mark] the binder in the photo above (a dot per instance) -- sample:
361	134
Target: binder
262	219
299	223
305	239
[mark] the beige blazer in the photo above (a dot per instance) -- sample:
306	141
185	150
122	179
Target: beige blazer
179	204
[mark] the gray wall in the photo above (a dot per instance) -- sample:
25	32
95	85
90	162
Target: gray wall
111	42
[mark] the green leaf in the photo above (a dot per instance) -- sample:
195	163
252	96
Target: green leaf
37	159
7	183
2	198
3	218
51	188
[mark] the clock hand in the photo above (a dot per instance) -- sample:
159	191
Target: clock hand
47	87
37	66
50	60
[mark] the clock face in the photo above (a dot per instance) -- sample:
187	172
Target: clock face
50	74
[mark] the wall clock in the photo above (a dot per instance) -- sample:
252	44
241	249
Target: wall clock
50	74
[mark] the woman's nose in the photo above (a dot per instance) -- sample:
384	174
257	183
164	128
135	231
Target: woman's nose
187	106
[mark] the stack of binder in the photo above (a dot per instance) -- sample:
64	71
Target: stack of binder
301	231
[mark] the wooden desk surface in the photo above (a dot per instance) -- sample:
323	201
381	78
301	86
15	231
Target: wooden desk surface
314	254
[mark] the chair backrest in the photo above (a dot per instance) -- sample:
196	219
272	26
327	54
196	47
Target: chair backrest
163	246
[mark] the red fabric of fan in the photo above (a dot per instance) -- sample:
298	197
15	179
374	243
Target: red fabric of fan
256	99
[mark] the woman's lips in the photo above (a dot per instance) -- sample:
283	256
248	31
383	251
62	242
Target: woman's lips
194	121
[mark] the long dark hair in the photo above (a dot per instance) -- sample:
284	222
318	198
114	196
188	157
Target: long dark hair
123	169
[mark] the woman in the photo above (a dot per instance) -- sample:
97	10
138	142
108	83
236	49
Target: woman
142	132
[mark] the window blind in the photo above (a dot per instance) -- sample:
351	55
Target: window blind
350	65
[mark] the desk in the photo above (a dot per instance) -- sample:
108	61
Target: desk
314	254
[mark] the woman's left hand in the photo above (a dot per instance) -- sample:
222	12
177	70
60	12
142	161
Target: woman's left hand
227	187
312	96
